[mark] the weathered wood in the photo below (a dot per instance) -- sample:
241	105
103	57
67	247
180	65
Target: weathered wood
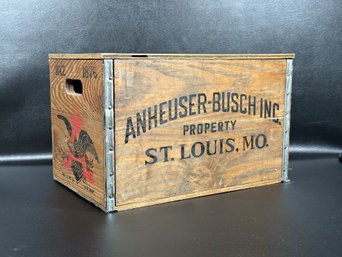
160	55
194	195
84	112
141	83
176	136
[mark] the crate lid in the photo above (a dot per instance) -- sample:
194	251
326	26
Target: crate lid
169	55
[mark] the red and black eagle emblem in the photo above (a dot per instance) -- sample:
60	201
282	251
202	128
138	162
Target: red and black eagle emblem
78	155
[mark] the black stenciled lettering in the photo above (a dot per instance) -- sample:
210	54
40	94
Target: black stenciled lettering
213	127
216	102
60	69
153	157
195	104
251	105
227	124
165	149
261	107
225	102
274	109
260	141
152	117
183	157
202	100
162	113
208	148
89	72
200	128
185	129
235	103
248	142
243	97
220	126
175	109
191	104
206	127
85	72
141	122
230	142
221	146
129	129
193	149
183	99
267	109
233	122
192	129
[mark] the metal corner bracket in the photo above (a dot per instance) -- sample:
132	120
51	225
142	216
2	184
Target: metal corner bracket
109	147
287	116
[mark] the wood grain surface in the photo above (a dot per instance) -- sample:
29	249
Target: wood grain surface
144	83
185	125
167	55
86	110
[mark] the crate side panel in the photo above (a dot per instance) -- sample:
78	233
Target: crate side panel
89	72
199	142
78	128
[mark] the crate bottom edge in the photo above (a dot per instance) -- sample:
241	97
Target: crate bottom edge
195	195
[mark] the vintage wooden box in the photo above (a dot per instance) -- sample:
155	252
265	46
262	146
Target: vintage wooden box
132	130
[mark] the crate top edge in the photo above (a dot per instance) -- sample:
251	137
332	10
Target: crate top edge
168	55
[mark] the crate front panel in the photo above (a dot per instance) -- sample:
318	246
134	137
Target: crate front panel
77	127
185	126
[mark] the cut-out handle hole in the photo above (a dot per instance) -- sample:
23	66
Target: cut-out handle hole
74	86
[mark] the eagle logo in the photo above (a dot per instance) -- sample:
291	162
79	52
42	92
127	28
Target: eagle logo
80	149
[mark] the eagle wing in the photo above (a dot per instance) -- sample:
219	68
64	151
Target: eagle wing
85	144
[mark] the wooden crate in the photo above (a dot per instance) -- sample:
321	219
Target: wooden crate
131	130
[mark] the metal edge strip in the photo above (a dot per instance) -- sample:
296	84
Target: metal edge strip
108	96
287	116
